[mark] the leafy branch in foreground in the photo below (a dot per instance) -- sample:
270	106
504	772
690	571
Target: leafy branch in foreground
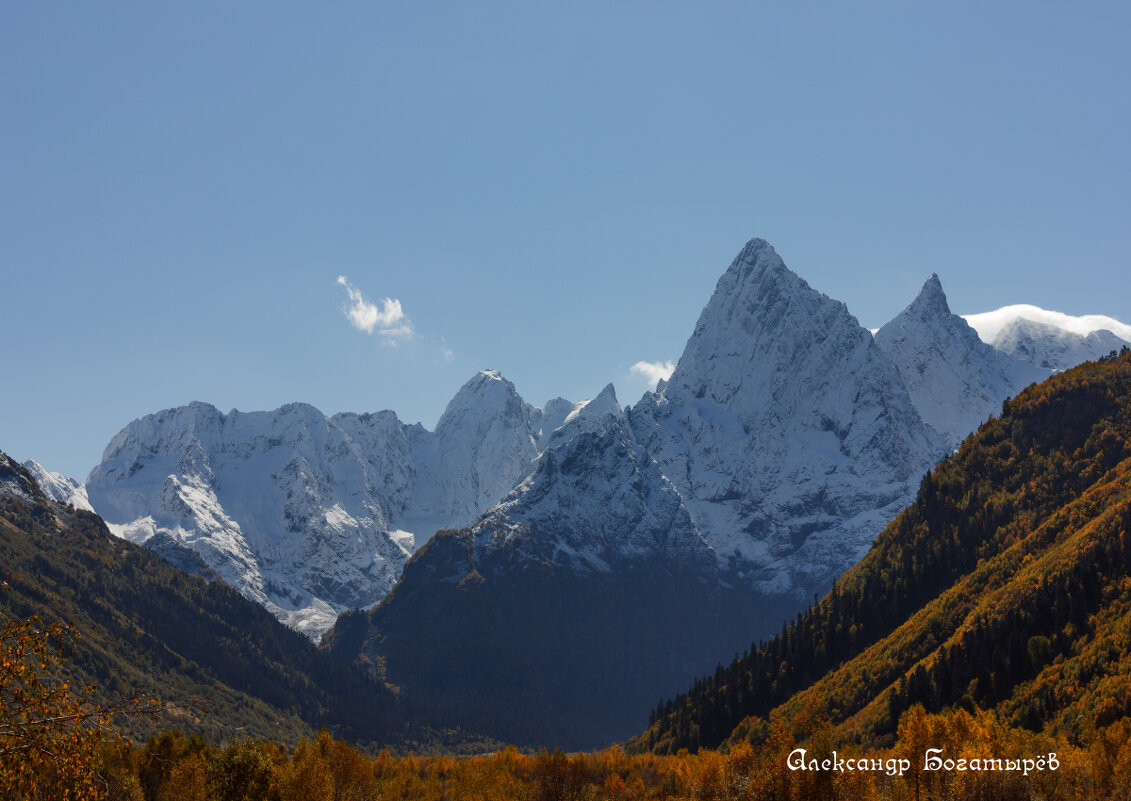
49	733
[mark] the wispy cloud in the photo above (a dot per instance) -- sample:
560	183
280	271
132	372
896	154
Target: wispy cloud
388	319
654	371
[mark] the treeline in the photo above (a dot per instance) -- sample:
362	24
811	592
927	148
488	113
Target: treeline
998	762
984	521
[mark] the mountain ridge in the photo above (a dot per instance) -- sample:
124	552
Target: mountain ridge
788	432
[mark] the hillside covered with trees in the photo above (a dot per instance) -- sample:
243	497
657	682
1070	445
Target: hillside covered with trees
220	665
1004	587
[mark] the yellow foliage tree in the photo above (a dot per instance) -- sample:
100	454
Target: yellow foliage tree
49	734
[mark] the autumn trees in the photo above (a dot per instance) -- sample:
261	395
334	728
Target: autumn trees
49	731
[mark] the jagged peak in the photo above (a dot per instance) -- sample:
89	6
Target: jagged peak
300	409
759	315
605	402
607	395
558	407
931	298
929	307
483	382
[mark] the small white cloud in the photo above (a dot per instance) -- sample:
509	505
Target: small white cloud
448	354
388	320
653	371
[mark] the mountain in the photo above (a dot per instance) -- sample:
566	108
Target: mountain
1050	340
790	436
668	534
308	515
646	546
219	663
1004	586
786	430
286	506
955	380
536	624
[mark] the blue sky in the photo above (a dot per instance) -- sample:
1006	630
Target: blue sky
547	191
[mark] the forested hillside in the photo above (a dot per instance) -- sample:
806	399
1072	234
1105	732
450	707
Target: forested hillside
1005	586
220	665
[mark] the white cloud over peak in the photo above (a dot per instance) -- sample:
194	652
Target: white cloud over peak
388	320
653	371
989	324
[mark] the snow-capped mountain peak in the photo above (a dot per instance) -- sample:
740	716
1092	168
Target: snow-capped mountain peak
604	403
954	379
749	325
310	515
930	300
783	441
786	431
482	399
14	482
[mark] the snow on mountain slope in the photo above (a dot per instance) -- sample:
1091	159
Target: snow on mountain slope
786	430
1054	349
595	500
483	445
647	546
310	515
1050	340
59	487
280	504
14	482
784	440
955	380
990	325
